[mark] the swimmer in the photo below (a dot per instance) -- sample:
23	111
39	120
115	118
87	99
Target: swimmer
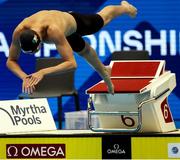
65	30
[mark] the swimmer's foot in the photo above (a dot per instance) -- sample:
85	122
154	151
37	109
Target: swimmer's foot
108	70
109	84
131	10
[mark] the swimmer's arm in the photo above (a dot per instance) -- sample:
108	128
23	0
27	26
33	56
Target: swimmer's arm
65	51
12	61
12	64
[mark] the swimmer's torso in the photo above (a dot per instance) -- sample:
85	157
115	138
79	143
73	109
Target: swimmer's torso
42	20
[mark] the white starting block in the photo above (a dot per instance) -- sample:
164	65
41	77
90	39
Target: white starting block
140	100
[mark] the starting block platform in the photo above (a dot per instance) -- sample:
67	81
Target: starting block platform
139	103
86	144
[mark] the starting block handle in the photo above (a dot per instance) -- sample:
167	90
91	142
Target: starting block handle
139	114
90	113
110	130
115	113
153	99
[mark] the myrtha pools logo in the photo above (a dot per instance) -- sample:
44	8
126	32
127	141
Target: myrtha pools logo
25	115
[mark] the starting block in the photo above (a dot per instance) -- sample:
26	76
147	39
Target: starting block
139	103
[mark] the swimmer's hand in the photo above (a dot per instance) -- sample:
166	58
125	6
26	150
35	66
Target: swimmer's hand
25	86
35	78
31	81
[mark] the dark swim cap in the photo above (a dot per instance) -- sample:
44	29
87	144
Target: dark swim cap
29	41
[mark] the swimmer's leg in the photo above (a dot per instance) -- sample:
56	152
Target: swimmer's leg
78	45
105	72
110	12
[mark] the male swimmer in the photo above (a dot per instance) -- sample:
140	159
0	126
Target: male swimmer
65	30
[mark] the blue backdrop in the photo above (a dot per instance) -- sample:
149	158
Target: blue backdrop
155	29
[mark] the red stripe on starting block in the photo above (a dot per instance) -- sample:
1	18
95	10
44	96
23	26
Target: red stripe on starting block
122	85
134	69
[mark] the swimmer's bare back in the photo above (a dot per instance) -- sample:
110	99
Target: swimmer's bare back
41	20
